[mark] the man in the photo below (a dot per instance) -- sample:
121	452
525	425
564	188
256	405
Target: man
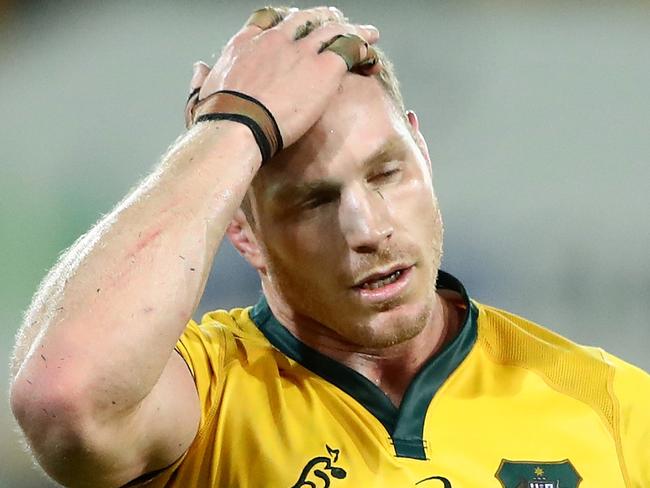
362	365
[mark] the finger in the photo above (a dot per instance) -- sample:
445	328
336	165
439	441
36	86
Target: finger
260	20
350	47
351	43
371	65
368	33
268	17
313	16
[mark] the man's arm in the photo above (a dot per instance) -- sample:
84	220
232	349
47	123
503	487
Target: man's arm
96	385
100	380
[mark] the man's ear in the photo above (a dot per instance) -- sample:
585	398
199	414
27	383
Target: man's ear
243	239
417	135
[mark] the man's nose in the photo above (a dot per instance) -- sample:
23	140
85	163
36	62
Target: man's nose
365	220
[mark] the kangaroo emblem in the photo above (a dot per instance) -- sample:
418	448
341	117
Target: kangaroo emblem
321	467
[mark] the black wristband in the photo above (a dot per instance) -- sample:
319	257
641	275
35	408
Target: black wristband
276	129
257	131
242	108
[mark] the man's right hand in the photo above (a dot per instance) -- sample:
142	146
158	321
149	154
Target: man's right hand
288	76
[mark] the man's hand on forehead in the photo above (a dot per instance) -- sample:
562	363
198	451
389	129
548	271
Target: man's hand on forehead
278	72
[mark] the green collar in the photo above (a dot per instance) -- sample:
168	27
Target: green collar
405	424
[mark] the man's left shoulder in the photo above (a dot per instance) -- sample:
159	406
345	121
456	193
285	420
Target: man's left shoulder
514	339
615	389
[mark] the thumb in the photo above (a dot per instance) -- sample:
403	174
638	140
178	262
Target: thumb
201	72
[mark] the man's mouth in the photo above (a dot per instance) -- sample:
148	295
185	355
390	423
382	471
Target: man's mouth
373	284
384	284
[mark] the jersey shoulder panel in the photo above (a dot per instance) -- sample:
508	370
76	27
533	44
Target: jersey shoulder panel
572	369
209	346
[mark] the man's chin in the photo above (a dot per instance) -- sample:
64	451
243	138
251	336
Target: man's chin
393	326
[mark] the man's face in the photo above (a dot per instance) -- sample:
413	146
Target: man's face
349	224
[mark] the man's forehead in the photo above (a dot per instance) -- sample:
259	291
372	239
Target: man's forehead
283	188
358	99
359	117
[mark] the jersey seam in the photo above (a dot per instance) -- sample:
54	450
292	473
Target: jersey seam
617	419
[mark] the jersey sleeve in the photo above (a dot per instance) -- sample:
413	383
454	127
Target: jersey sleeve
202	346
632	390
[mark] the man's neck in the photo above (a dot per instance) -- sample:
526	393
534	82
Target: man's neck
393	368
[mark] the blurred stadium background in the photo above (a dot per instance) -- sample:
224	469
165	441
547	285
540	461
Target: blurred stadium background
537	115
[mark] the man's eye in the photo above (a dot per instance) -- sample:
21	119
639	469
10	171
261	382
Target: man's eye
316	202
384	175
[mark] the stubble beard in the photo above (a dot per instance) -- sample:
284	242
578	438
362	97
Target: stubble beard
298	297
407	328
379	331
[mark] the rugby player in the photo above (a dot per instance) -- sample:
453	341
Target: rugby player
362	364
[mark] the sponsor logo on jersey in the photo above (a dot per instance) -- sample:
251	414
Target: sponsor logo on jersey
319	471
533	474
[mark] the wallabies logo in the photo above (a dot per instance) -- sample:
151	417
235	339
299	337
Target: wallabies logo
321	467
531	474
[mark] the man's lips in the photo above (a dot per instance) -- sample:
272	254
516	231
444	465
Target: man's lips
384	286
381	275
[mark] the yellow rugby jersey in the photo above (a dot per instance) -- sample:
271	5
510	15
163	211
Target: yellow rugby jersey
507	404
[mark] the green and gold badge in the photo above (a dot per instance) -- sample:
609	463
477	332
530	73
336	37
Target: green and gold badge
532	474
